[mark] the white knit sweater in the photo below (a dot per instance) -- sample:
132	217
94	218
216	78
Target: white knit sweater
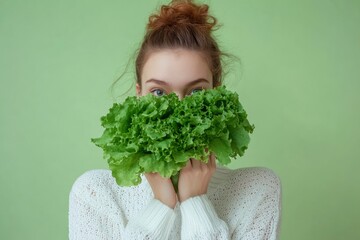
240	204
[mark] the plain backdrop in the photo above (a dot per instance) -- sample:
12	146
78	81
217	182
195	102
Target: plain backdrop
298	79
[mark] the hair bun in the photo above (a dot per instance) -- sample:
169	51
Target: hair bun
182	12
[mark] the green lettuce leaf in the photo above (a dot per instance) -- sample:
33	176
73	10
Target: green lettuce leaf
159	134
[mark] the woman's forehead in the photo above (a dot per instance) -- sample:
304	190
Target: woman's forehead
176	65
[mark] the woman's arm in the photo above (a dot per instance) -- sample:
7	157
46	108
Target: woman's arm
154	222
199	218
95	213
252	204
157	219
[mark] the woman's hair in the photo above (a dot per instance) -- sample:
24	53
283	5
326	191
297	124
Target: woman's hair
182	24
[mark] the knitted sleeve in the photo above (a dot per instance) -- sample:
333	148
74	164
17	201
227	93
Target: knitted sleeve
250	208
155	222
94	213
200	221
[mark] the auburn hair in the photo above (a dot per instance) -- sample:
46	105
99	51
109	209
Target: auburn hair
182	24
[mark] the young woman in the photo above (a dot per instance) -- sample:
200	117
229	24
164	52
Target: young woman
178	54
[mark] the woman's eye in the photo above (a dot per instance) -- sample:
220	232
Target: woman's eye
158	92
195	90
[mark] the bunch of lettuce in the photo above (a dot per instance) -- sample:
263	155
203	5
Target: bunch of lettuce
160	134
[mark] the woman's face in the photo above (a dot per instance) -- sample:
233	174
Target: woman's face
174	70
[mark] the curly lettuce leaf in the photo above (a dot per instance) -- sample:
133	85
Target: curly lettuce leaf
160	134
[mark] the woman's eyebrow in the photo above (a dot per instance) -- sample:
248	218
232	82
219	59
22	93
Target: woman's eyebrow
200	80
157	82
166	84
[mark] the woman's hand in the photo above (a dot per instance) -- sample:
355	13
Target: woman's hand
195	177
162	188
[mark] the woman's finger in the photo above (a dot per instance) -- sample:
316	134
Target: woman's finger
212	161
195	163
188	164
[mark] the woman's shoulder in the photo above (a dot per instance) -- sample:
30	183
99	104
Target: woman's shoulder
91	183
248	189
97	189
93	176
100	184
247	179
248	195
261	177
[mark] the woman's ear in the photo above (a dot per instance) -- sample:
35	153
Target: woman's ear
138	89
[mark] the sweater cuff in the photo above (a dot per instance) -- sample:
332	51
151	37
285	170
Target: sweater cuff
198	215
157	218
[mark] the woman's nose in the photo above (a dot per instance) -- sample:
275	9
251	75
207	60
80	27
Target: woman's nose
180	95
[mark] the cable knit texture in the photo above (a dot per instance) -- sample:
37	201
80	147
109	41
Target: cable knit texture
243	204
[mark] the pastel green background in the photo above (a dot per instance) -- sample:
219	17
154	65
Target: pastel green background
299	81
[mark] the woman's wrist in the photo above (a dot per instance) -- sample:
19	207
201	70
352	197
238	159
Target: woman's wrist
186	196
163	189
167	200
